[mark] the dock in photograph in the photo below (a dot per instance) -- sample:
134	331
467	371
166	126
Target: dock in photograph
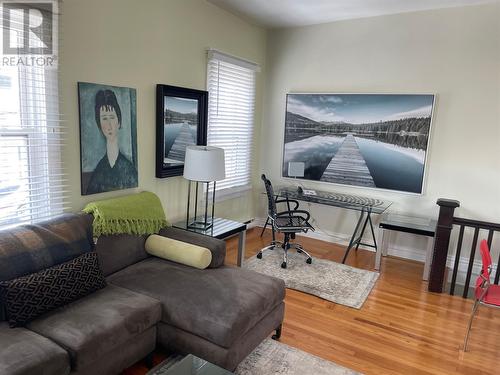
348	166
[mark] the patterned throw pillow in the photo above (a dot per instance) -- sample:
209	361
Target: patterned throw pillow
30	296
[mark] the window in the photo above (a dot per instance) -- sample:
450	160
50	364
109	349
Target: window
231	87
32	182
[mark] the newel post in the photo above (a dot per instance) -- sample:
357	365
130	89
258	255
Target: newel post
441	243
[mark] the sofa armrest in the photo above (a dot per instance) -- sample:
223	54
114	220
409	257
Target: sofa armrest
216	247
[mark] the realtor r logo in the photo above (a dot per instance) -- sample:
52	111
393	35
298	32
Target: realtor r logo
27	28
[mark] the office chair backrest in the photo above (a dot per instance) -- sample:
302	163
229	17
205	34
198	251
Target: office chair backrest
271	204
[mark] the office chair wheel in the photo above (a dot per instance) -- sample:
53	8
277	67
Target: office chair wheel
259	255
309	260
283	265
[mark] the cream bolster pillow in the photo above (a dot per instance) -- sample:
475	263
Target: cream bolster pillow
178	251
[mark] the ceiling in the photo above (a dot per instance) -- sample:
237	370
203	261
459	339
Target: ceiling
290	13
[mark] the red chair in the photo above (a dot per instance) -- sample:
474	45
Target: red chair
485	293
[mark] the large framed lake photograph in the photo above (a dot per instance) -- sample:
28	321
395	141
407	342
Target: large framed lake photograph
365	140
181	121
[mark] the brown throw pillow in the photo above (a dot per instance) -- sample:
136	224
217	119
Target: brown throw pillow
28	297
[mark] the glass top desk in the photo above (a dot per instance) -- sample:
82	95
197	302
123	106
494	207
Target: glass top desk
365	205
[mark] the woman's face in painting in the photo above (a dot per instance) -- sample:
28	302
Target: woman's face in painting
109	123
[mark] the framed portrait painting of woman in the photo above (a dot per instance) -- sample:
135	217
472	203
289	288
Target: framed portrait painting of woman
108	138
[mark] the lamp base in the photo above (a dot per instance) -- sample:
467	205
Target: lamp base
201	225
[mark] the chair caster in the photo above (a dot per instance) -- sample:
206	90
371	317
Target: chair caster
283	265
309	260
259	255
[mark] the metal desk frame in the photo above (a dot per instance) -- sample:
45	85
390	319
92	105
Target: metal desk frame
357	241
346	201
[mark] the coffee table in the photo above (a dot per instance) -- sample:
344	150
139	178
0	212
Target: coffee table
188	365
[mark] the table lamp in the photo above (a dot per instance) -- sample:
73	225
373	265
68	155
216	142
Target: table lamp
203	164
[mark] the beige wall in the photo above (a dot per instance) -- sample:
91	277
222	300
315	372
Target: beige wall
454	53
139	44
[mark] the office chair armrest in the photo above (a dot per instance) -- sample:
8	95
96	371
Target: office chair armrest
295	202
293	213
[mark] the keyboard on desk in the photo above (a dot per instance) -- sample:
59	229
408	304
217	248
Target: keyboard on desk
351	199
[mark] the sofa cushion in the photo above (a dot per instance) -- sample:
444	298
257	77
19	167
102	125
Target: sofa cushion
28	297
217	247
219	304
30	248
178	251
98	323
24	352
117	251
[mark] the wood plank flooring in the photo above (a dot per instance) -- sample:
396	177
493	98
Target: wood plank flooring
401	328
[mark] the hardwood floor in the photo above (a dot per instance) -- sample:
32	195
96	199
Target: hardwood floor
401	328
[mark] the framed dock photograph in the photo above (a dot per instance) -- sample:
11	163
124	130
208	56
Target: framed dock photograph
181	121
365	140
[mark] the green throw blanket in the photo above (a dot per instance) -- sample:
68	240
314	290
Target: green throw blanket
140	213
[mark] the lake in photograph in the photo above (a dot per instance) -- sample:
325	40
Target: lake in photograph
390	166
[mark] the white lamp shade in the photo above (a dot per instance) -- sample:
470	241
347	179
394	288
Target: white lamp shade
204	163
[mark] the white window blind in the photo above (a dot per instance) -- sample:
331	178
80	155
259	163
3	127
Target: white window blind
231	103
32	180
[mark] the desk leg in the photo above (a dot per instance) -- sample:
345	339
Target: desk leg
382	249
353	237
241	247
428	258
385	245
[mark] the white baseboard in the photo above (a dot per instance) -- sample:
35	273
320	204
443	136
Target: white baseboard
400	252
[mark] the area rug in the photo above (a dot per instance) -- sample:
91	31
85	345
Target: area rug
323	278
272	357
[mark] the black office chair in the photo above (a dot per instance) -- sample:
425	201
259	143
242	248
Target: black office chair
287	222
277	199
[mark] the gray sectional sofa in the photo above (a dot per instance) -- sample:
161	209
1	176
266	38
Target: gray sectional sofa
220	313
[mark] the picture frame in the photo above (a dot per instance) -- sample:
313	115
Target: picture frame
362	140
181	120
108	138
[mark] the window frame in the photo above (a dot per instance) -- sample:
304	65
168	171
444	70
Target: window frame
37	119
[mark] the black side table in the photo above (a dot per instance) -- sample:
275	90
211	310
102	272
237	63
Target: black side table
222	229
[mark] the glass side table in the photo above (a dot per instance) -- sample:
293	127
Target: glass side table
422	226
221	229
189	365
